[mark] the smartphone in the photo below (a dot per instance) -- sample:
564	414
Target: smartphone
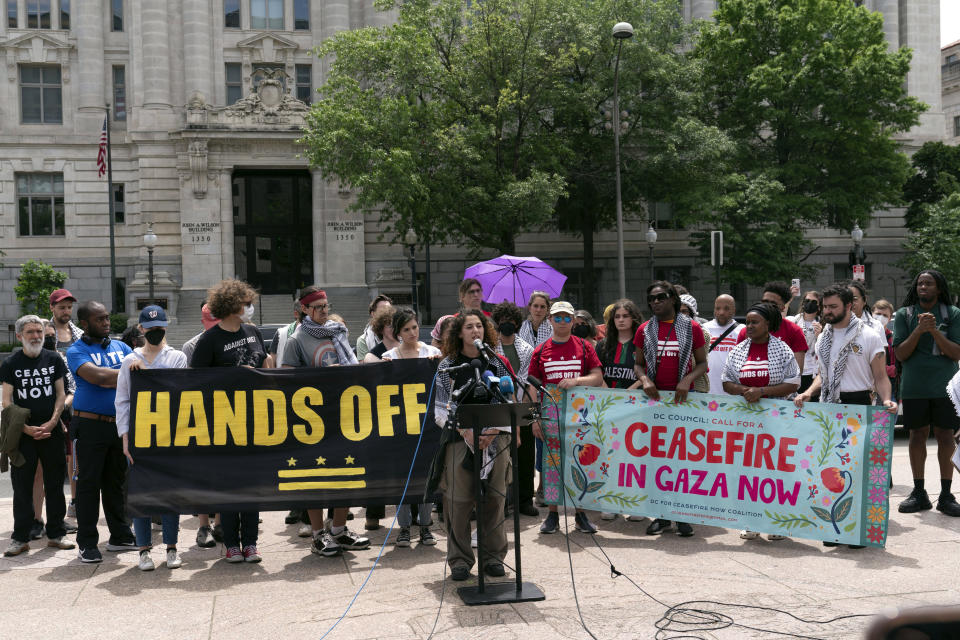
795	283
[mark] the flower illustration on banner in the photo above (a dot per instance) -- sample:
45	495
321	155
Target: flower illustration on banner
553	444
604	468
826	500
775	412
585	455
839	481
713	406
552	476
614	431
813	491
588	454
878	476
551	493
616	445
877	494
804	464
797	413
875	534
809	448
632	400
833	479
592	398
876	514
839	416
652	402
879	438
878	456
592	474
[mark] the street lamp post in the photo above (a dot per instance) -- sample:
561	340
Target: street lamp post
651	237
410	239
621	31
150	241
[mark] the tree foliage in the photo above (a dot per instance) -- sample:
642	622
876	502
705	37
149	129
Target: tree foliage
937	175
936	244
37	280
812	97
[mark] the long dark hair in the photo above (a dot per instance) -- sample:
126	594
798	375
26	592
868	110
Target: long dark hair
944	298
608	346
454	343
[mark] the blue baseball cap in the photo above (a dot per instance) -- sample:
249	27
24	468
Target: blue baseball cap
153	316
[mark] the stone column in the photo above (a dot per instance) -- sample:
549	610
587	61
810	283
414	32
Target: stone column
702	9
198	56
920	30
90	67
226	223
891	21
336	17
156	55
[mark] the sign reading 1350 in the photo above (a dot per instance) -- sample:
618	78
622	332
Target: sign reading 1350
200	232
344	230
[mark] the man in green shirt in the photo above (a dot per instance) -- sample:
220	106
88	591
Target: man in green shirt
926	340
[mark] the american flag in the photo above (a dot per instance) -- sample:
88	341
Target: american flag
102	151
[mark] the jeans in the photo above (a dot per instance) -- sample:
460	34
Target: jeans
103	476
239	528
49	452
171	527
405	514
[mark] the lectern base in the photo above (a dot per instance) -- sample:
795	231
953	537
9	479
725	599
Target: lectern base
501	593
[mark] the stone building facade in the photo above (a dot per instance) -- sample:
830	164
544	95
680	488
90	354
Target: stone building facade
206	105
950	78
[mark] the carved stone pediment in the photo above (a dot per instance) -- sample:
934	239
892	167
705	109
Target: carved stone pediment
37	48
267	106
267	47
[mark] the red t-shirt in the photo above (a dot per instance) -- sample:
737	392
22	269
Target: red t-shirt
755	372
553	361
788	332
668	352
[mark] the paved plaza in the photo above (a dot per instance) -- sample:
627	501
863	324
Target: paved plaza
294	594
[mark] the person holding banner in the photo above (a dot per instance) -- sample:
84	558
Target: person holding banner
321	342
233	343
762	366
723	338
671	355
155	354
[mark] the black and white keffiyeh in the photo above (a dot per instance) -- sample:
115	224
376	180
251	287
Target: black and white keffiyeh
832	373
953	390
781	362
333	331
538	336
683	329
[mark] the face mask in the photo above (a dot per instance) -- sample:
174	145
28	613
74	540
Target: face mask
581	331
247	314
155	336
507	329
811	306
883	320
50	342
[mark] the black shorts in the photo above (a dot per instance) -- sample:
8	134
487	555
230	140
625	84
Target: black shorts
935	412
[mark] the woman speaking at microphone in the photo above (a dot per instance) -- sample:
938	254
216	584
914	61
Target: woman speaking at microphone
456	458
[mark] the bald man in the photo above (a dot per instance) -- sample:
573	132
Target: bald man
724	330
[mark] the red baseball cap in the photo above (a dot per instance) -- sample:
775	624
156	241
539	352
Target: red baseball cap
60	295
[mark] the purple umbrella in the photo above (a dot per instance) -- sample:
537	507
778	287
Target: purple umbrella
513	279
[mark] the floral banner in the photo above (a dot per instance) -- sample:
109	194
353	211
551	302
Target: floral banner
821	473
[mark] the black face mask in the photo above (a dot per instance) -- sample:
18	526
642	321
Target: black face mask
581	331
507	329
811	306
50	342
155	336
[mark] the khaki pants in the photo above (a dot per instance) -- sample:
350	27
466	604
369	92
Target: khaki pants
458	502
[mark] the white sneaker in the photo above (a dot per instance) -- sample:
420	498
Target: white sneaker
173	559
776	536
749	535
16	548
606	515
60	543
146	562
305	531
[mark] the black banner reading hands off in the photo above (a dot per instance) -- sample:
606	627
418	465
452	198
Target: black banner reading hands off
207	440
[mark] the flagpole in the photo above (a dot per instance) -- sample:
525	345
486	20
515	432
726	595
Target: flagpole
113	249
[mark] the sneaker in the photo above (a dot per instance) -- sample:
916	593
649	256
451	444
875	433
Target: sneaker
121	545
218	533
460	572
60	543
403	538
250	553
527	509
72	509
69	527
749	535
918	500
948	504
90	556
538	498
36	530
494	570
305	531
234	554
173	559
635	518
16	548
146	562
426	537
349	540
684	530
293	517
156	524
551	524
776	536
205	537
606	515
658	526
583	523
324	545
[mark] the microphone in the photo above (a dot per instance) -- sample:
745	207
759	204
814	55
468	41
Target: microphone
493	383
460	367
474	364
482	346
536	384
506	386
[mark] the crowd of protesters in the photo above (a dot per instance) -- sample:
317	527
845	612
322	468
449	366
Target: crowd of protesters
66	396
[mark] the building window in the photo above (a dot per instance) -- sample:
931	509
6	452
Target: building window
234	82
38	14
304	86
65	14
119	210
266	14
40	204
231	14
956	126
11	14
40	94
301	14
120	295
119	93
116	14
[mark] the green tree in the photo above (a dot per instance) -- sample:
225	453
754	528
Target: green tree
937	175
812	97
36	282
936	244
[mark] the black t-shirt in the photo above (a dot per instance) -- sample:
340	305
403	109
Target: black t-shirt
618	363
379	350
33	381
220	348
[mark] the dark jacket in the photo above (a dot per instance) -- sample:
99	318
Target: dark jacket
12	420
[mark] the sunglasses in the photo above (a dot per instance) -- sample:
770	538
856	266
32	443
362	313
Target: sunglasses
660	297
321	307
559	319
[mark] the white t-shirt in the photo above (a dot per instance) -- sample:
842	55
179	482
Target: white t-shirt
810	360
717	358
858	376
426	351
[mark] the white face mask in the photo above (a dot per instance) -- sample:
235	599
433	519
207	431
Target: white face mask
247	314
883	320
